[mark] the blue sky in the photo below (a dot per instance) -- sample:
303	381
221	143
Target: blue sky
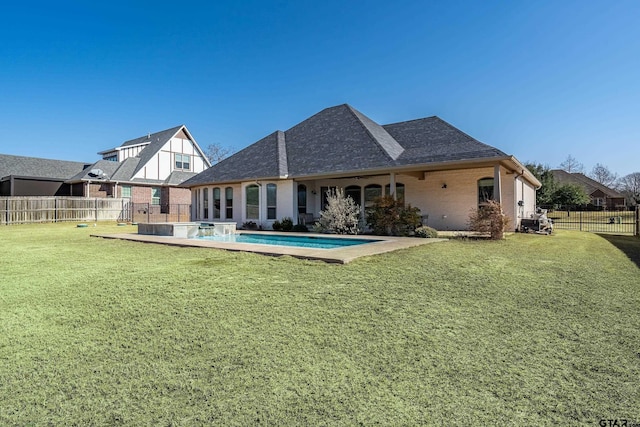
540	80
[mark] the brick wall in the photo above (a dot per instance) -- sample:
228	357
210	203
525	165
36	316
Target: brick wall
140	194
100	190
179	196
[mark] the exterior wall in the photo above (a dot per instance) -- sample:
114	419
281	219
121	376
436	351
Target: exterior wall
444	207
140	194
179	196
161	165
102	189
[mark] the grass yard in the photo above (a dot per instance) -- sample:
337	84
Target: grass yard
534	330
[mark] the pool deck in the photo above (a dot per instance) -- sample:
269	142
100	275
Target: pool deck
337	255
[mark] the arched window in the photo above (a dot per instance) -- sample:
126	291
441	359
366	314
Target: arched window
302	199
371	193
216	203
271	201
229	205
485	190
399	191
253	201
355	192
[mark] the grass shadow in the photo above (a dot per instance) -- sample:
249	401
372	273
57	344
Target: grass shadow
630	245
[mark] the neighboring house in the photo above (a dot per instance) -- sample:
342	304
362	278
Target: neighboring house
601	195
32	176
425	162
146	169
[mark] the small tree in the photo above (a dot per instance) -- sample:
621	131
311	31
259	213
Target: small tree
630	186
342	214
216	152
389	216
570	195
572	165
603	175
489	218
544	196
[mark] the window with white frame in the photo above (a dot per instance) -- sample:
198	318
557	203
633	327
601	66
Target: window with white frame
155	195
125	191
253	201
229	205
216	203
183	162
271	201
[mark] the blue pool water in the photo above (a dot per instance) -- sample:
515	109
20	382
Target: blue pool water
297	241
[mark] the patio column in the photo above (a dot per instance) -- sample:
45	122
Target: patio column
392	185
497	187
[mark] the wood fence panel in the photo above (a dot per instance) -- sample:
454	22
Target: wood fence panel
28	210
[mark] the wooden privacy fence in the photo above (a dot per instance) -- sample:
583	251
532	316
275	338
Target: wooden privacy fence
27	210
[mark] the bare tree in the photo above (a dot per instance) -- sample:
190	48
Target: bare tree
630	187
572	165
603	175
216	152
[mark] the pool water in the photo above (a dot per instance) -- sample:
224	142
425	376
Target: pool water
296	241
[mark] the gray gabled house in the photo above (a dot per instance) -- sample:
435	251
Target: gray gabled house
33	176
425	162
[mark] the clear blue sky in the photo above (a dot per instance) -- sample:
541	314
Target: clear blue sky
537	79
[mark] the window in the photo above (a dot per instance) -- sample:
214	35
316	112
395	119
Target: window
183	161
271	201
323	200
113	158
253	202
354	192
216	203
371	193
485	190
302	199
229	198
155	195
399	191
125	191
205	202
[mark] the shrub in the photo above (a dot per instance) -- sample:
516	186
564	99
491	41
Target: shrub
300	228
287	224
426	232
277	226
249	225
342	215
390	217
489	219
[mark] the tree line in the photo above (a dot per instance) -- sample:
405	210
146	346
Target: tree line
554	193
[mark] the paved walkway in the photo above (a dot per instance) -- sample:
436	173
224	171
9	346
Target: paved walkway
337	255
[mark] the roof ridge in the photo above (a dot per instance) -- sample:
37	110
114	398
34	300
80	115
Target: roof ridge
391	151
283	164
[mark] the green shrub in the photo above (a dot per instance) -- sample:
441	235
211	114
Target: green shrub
389	216
277	226
249	225
426	232
287	224
300	228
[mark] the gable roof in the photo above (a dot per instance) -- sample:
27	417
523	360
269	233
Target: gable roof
590	185
39	168
341	139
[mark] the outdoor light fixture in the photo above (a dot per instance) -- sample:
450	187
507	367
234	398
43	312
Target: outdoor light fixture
444	185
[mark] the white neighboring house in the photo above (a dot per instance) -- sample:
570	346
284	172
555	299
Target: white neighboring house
147	169
425	162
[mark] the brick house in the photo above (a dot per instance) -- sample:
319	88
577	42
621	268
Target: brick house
425	162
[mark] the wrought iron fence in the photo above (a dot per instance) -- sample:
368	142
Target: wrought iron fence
624	222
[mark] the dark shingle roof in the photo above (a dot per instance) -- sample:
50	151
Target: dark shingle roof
156	142
433	140
341	139
590	185
37	167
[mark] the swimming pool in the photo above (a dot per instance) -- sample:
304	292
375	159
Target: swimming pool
295	241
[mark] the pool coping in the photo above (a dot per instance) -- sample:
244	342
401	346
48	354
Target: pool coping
336	255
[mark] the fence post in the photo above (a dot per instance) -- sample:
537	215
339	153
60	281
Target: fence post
637	231
148	212
580	220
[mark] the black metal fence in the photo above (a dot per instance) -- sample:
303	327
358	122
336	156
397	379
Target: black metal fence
625	222
147	212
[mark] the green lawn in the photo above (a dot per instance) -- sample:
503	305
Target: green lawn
534	330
